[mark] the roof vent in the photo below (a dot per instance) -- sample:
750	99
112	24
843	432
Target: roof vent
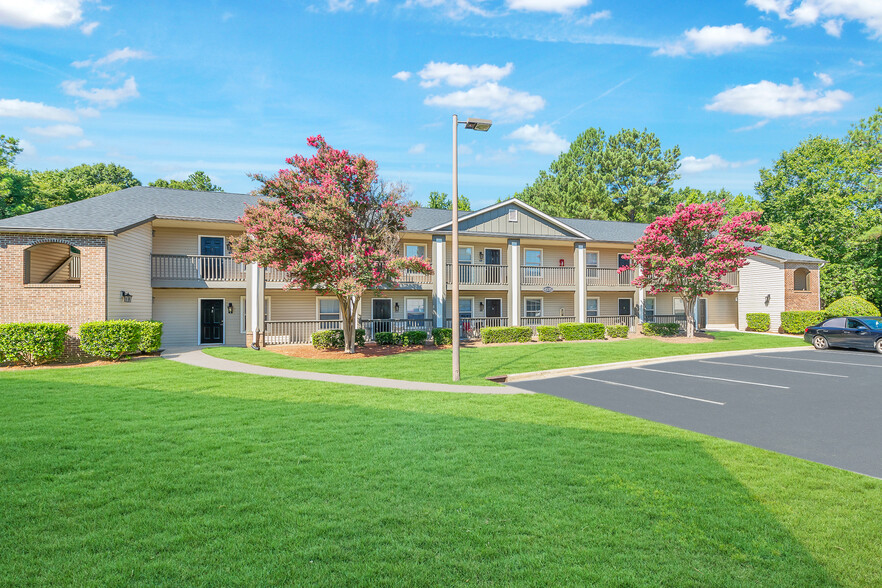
513	216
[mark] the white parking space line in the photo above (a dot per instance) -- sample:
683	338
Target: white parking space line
651	390
762	367
817	360
712	378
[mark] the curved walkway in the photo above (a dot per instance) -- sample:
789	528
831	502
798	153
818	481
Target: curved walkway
195	357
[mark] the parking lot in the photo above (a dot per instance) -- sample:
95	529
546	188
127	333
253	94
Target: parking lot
825	406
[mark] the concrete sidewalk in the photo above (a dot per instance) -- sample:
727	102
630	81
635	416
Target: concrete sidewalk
195	357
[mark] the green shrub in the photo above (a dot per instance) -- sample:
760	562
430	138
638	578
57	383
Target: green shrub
110	339
617	331
661	329
581	331
151	336
333	339
507	334
413	338
387	338
442	336
796	321
32	343
547	333
758	321
852	306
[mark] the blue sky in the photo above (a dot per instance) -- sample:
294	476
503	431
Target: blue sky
166	88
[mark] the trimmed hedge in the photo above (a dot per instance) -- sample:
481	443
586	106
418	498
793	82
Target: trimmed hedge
442	336
617	331
507	334
387	338
852	306
758	321
661	329
581	331
151	336
32	343
796	321
333	339
413	338
547	333
110	339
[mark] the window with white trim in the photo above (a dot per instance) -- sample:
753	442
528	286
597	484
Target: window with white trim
329	309
679	307
649	309
592	262
532	307
513	215
415	250
415	308
465	255
466	307
592	306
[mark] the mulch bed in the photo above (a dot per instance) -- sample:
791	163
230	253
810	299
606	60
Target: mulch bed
73	364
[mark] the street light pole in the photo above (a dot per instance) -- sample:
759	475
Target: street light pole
475	124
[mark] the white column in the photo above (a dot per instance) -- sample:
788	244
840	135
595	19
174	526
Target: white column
255	293
581	305
439	264
514	282
641	299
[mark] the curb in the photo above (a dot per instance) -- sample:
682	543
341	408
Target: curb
556	373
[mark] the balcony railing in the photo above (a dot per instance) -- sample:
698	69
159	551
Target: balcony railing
206	268
374	326
545	321
295	332
480	274
409	277
731	278
614	319
470	328
680	319
607	276
532	275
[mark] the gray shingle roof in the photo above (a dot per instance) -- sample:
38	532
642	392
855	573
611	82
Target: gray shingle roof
117	211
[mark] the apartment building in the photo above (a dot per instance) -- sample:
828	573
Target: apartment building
153	253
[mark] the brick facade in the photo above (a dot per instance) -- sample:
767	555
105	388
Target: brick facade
802	299
71	304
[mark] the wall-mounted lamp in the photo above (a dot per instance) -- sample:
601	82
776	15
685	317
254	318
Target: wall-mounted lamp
481	306
768	298
396	307
229	308
126	297
561	311
481	256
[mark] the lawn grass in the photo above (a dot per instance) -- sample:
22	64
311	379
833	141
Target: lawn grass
479	362
153	473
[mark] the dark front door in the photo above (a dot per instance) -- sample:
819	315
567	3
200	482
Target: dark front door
702	313
212	268
493	308
381	310
624	307
211	321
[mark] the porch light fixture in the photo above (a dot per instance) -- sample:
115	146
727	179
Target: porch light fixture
768	298
126	297
481	306
481	256
474	124
396	307
229	308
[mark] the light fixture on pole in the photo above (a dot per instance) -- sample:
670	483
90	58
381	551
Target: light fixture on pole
475	124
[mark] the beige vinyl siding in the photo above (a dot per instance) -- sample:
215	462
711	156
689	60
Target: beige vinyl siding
476	308
496	221
178	310
759	278
183	241
478	247
608	257
556	304
722	310
44	258
293	305
551	254
128	269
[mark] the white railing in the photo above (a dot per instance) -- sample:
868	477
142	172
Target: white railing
74	267
614	319
411	277
274	275
470	328
295	332
546	321
680	319
532	275
731	278
374	326
208	268
608	276
479	274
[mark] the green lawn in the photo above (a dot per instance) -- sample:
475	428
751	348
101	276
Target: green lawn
479	362
154	473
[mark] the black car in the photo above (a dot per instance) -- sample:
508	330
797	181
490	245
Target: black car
864	332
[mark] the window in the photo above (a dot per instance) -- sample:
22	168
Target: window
415	308
512	216
329	309
465	307
592	306
533	261
679	307
801	279
413	250
855	324
532	307
243	313
592	261
649	310
51	263
838	323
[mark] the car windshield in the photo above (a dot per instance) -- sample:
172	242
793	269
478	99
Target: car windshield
873	323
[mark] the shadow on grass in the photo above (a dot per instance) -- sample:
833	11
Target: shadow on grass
173	475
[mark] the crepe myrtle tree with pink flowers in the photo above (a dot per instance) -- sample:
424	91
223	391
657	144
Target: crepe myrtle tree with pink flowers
332	225
689	252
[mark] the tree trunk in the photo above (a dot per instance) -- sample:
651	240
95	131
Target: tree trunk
689	303
348	306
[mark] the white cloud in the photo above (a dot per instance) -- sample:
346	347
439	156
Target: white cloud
27	148
825	79
540	138
417	149
89	27
403	76
106	97
696	165
335	5
753	127
452	8
16	108
456	74
23	14
560	6
498	101
121	55
81	144
771	100
56	131
717	40
89	112
594	17
856	62
832	13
